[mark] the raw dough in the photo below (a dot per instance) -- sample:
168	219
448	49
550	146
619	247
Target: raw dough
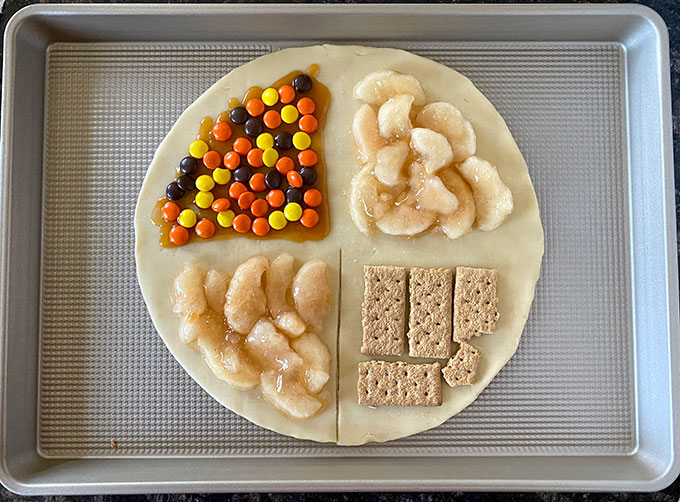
514	249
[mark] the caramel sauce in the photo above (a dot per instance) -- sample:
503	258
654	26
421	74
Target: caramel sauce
313	70
294	231
204	130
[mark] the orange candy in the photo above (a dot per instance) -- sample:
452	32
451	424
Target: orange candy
284	165
306	106
308	158
255	157
205	228
255	107
257	182
236	189
294	179
246	199
241	223
261	226
232	160
212	159
259	207
308	124
276	198
221	204
221	131
170	211
272	119
242	145
178	235
312	197
309	218
286	94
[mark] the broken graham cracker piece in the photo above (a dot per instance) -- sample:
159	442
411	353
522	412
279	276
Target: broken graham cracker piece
475	303
429	326
399	384
383	313
462	368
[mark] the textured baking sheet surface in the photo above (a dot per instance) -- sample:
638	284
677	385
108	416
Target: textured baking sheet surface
106	375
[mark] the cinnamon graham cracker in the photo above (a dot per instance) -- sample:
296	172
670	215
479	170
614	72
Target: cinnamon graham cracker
475	303
383	313
429	333
399	384
462	368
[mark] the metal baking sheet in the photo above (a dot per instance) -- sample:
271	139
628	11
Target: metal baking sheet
587	402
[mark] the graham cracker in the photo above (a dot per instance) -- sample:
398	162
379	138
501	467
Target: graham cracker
462	368
475	303
399	384
429	327
383	313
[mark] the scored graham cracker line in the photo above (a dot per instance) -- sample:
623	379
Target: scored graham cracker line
430	319
383	312
399	384
475	304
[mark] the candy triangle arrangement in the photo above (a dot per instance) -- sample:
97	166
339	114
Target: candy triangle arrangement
340	243
256	168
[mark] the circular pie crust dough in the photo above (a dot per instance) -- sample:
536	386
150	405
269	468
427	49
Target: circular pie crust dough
514	249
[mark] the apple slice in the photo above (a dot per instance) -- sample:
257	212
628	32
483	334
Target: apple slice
379	86
448	120
493	199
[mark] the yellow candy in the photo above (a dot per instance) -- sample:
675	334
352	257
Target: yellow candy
269	157
225	218
292	211
289	114
277	220
222	176
270	96
205	183
204	199
301	140
265	140
187	218
198	149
